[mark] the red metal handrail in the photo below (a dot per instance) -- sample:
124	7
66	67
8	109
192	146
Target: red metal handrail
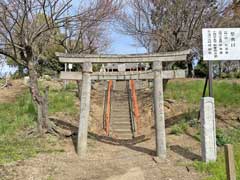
135	105
108	110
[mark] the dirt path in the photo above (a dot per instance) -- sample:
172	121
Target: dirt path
105	161
10	93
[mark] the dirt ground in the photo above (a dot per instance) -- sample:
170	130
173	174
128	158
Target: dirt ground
111	159
9	94
106	159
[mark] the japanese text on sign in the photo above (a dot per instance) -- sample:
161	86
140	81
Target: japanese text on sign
221	44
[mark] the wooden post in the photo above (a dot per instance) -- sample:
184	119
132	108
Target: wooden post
230	166
210	77
159	110
84	109
65	70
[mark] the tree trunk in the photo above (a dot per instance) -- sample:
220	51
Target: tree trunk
220	69
165	82
20	71
41	101
190	69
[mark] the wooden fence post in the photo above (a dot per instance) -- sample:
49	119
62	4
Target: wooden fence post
230	166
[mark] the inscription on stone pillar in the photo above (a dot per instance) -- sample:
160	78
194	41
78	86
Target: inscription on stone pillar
208	129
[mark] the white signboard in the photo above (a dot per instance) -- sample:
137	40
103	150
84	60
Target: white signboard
70	66
221	44
122	67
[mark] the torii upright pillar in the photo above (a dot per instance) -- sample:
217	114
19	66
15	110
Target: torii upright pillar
84	109
159	110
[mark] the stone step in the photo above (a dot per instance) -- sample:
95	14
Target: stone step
122	131
120	109
119	101
122	136
120	115
120	119
119	94
121	122
120	112
119	104
119	91
121	126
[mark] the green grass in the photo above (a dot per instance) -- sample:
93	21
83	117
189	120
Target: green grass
17	116
217	170
20	148
226	93
21	115
71	86
183	122
179	128
2	81
62	101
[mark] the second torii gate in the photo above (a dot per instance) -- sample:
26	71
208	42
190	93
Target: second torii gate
156	73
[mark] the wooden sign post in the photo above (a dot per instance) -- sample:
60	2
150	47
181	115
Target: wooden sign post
230	165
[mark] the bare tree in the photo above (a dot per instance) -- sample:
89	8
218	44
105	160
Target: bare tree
231	15
168	25
26	25
90	35
2	62
26	28
229	18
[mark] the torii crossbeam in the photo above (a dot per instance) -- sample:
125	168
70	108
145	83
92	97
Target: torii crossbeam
156	73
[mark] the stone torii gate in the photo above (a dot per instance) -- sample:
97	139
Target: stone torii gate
156	74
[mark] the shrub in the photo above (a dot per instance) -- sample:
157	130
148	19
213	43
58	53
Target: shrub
71	86
179	128
201	70
222	138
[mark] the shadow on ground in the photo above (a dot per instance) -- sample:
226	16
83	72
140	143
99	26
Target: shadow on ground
130	143
184	152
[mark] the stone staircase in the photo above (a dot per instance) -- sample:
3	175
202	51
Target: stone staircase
120	115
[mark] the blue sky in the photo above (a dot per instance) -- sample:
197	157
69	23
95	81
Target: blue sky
121	44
